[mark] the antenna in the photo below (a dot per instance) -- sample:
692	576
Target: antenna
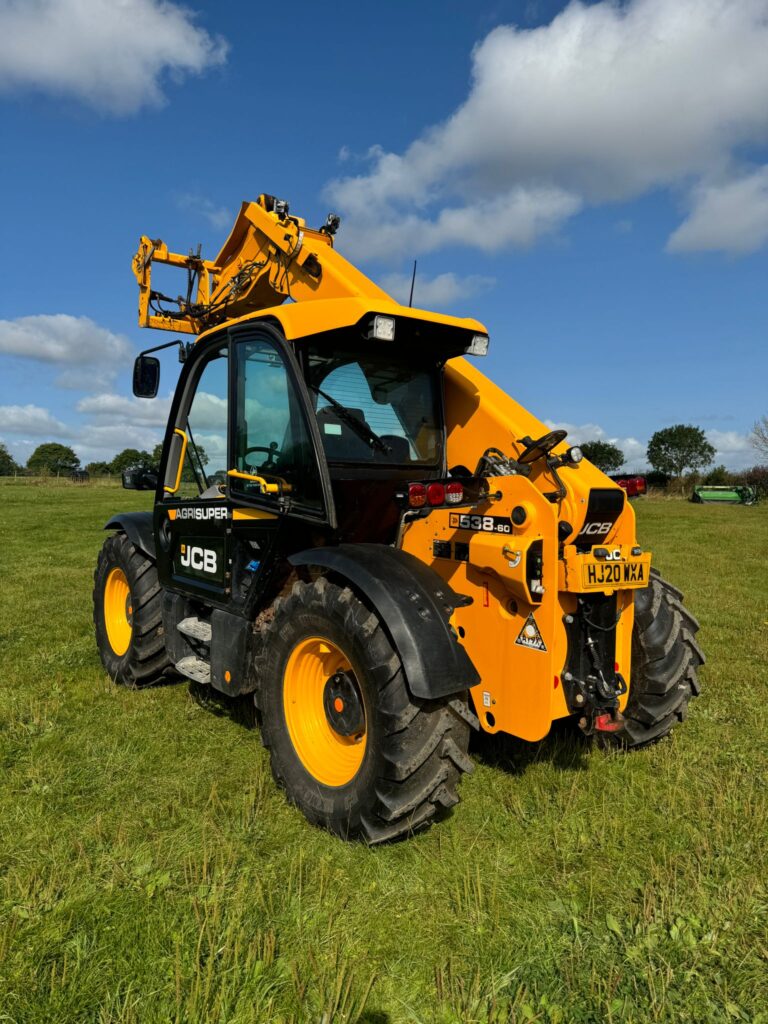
413	282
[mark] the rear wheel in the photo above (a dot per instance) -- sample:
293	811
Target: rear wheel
665	663
352	749
127	614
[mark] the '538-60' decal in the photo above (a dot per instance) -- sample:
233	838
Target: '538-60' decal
480	524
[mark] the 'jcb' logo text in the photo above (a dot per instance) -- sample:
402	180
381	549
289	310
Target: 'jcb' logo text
596	528
200	559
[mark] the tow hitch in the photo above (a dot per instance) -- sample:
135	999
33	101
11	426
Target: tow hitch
591	680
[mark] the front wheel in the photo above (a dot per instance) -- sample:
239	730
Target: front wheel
665	663
127	614
352	749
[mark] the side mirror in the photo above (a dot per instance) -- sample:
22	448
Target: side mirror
146	376
139	480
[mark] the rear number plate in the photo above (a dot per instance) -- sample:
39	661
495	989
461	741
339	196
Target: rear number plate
602	575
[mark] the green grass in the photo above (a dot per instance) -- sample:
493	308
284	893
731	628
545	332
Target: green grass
150	871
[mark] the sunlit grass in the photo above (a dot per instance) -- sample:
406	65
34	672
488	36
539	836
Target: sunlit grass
149	870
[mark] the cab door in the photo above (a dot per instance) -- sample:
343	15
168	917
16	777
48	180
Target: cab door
192	514
244	468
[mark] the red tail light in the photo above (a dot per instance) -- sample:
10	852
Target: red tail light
436	494
417	495
454	493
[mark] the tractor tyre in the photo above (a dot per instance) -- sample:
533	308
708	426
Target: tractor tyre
127	615
353	750
665	662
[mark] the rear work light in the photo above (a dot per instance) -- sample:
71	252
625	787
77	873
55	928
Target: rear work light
454	493
383	328
417	495
478	346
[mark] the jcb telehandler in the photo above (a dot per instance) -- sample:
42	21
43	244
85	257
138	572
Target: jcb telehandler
357	527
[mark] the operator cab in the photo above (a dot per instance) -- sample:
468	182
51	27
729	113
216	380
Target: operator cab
328	428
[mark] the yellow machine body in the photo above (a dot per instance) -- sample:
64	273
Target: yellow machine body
270	257
521	690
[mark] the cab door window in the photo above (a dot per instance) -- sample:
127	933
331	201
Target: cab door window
274	457
201	435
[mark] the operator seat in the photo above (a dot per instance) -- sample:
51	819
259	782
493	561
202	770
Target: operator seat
339	439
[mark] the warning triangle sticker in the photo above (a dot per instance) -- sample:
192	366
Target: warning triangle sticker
530	635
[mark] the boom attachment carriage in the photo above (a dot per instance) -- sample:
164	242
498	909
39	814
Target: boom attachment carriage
270	256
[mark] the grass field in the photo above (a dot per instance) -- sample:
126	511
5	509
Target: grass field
150	872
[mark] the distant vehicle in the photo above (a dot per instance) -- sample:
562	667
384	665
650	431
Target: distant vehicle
80	476
740	494
633	485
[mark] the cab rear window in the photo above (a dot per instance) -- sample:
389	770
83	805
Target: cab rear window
372	408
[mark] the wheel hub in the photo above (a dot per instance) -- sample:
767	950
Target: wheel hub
343	707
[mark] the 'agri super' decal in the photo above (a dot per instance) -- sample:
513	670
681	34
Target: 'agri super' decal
199	512
530	635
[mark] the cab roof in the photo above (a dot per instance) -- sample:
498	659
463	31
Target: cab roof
303	319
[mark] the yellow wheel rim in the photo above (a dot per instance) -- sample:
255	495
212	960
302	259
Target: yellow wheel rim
118	611
332	759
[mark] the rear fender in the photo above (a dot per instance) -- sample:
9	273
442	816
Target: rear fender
414	604
137	526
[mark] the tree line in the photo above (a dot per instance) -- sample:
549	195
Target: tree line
673	452
54	459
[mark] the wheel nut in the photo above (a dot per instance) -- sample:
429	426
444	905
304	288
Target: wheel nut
579	698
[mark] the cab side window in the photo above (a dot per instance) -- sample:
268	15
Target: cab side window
201	435
272	440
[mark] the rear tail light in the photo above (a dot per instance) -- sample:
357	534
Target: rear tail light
417	495
436	494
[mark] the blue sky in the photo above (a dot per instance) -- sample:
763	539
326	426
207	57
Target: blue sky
591	181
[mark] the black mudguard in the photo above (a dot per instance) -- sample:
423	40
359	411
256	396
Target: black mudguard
414	603
137	526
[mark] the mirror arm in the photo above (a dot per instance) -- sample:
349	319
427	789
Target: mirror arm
184	349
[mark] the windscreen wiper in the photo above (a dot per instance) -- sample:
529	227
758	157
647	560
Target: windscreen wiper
362	429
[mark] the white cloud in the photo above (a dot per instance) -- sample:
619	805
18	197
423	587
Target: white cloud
217	216
116	422
114	55
91	354
124	412
634	450
438	292
29	419
732	217
602	104
518	217
732	449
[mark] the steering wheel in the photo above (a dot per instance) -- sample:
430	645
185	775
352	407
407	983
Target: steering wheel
534	450
272	452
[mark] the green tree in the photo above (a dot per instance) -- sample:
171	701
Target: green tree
157	454
718	476
99	468
8	464
675	449
188	473
606	456
131	458
53	458
759	436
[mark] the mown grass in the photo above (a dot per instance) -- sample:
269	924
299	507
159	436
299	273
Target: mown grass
149	870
